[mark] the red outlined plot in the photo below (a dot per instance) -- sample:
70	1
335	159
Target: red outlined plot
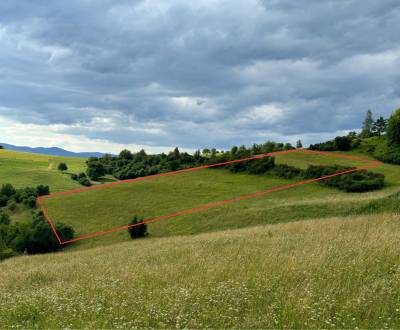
370	164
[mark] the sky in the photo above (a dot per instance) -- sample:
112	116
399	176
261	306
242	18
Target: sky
103	75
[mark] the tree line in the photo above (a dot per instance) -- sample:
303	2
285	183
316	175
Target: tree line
380	137
128	165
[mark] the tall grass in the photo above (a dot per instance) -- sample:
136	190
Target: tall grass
337	273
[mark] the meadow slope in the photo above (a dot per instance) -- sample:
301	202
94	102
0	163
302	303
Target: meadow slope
111	207
28	170
337	273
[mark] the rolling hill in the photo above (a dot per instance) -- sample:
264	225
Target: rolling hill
24	169
307	257
54	151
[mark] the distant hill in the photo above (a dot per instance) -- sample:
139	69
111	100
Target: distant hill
51	151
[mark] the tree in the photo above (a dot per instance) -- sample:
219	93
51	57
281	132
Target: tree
367	125
95	170
62	167
7	190
126	154
177	154
379	127
393	129
299	144
42	190
137	228
1	147
343	143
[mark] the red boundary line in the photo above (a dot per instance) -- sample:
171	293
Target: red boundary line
372	163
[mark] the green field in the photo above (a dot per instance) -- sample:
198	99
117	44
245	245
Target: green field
24	169
306	257
92	211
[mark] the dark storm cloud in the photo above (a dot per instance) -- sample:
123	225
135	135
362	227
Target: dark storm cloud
201	73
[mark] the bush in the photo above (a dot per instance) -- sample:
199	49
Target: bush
12	205
358	181
3	200
7	190
30	202
85	182
62	167
95	170
287	172
4	218
138	228
261	166
42	190
41	238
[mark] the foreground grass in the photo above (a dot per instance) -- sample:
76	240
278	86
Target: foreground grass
27	170
337	273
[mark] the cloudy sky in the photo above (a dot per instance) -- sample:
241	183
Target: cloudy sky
100	75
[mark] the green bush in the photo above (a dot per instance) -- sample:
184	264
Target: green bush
260	166
41	238
30	202
3	200
85	182
62	167
4	218
287	172
7	190
12	205
358	181
42	190
138	228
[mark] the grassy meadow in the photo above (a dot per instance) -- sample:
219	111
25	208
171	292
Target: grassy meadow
26	170
94	210
331	273
306	257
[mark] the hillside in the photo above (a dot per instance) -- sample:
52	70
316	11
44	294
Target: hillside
335	273
107	208
307	257
54	151
26	169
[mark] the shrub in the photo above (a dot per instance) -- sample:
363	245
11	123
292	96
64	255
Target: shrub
95	170
4	218
359	181
138	228
62	167
3	200
287	172
85	182
41	239
42	190
74	177
30	202
12	205
261	166
238	167
7	190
